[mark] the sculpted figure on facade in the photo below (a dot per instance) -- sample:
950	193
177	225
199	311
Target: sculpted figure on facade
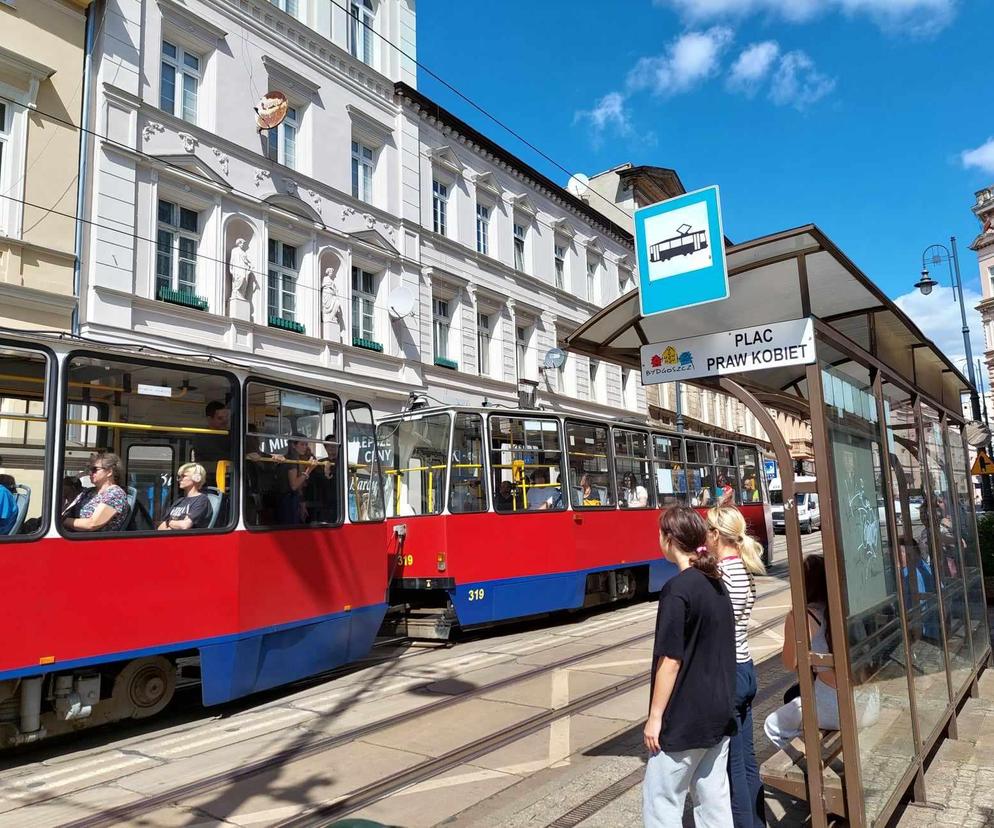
331	306
242	280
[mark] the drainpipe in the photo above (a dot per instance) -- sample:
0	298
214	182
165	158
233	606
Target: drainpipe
84	152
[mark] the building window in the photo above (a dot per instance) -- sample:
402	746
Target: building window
483	344
560	266
439	206
283	272
289	6
520	349
362	172
361	40
282	147
990	270
519	247
591	280
482	229
176	249
180	82
4	139
440	326
363	301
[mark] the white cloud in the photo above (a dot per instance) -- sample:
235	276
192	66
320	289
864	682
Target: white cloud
797	83
690	59
981	157
938	316
753	65
608	111
916	17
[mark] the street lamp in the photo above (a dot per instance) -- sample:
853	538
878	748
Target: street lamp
936	254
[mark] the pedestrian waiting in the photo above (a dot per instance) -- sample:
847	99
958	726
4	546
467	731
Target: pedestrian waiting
691	713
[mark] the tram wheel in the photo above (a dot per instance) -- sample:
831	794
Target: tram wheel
144	687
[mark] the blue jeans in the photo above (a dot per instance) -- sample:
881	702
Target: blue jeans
748	807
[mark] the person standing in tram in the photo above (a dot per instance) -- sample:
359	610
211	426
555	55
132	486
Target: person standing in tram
726	494
193	510
740	558
106	509
691	710
294	476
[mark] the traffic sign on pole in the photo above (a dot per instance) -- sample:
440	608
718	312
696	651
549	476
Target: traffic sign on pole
680	247
983	464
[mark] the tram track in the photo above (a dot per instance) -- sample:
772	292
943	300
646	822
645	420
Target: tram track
376	791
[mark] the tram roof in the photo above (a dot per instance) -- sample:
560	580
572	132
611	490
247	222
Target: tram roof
767	280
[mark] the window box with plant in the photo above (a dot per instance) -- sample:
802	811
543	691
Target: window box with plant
285	324
182	297
368	344
442	362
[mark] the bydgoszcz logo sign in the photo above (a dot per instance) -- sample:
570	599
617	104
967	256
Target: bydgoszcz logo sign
730	352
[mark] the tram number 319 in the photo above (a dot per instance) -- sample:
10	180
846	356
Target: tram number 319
405	560
477	594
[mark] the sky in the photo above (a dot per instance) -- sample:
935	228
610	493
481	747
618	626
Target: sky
869	118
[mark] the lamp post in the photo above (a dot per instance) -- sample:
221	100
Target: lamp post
936	254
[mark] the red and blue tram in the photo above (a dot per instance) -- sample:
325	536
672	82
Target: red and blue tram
510	513
288	578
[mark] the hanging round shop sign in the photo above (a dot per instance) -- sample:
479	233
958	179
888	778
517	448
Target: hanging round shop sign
271	110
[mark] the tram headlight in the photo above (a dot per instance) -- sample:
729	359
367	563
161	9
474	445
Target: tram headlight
440	561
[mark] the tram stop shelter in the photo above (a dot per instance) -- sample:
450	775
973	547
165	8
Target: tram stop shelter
907	611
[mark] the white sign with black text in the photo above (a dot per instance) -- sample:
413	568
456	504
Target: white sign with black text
729	352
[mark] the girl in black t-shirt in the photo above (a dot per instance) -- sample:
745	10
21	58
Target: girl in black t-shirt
691	708
193	510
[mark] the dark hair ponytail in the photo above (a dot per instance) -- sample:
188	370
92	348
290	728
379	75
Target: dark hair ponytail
687	529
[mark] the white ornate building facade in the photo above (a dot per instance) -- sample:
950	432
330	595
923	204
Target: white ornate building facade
299	247
983	246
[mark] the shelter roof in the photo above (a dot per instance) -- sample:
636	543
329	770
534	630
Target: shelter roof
787	275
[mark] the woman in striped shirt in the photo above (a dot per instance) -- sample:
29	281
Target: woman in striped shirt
740	557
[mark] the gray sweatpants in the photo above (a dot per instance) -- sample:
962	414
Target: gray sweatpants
669	777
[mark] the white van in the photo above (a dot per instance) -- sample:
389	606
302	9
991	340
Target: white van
808	512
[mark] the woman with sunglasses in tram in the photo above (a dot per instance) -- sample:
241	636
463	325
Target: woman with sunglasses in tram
106	509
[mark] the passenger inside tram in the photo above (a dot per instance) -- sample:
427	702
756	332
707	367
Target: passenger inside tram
504	496
8	502
194	509
633	494
543	495
106	508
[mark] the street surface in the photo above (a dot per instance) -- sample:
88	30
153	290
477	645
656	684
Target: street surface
531	724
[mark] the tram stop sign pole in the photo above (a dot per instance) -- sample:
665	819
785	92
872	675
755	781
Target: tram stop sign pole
680	248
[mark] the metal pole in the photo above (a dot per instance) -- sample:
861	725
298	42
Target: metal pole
679	407
986	491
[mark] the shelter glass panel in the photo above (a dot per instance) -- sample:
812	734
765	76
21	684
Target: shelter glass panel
591	481
670	474
24	413
415	461
526	464
874	631
365	491
917	559
632	469
949	560
967	522
291	458
466	492
125	421
750	480
700	473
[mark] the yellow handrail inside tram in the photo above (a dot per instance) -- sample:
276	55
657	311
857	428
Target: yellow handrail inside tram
143	427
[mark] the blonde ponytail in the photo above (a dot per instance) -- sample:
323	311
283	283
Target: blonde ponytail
728	522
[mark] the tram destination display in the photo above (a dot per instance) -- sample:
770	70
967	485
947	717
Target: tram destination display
729	352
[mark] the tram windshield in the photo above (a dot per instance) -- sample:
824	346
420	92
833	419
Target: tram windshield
414	464
23	431
526	463
134	431
291	458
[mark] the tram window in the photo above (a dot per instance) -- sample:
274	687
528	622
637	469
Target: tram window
725	491
291	458
23	435
591	481
466	490
699	452
526	463
365	492
155	417
632	469
414	455
670	474
751	489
